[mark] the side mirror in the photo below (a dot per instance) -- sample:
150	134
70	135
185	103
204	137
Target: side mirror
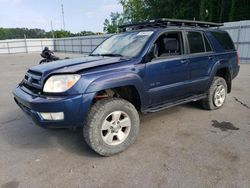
151	53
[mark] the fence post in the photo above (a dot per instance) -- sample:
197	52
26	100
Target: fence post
238	37
80	44
64	45
8	47
25	43
91	43
41	44
54	44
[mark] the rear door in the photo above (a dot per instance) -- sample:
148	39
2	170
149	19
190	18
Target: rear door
201	59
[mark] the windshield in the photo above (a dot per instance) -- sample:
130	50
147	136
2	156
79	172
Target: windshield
124	44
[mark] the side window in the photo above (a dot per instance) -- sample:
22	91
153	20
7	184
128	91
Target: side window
195	41
207	44
224	39
168	44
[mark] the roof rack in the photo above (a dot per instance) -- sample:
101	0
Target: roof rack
165	22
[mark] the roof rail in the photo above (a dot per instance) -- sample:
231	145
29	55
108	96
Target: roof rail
165	22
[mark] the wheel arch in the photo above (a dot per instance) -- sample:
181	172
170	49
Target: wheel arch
128	93
128	86
222	69
224	72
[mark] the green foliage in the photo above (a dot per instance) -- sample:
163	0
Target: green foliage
111	26
61	34
204	10
84	33
134	10
10	33
232	10
20	33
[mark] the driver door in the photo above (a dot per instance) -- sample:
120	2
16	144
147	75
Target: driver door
167	74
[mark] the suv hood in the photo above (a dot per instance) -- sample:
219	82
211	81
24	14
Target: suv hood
75	65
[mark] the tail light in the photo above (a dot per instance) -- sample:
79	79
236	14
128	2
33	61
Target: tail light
238	58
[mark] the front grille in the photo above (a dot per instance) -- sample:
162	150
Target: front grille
33	81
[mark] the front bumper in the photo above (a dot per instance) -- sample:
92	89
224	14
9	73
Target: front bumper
74	107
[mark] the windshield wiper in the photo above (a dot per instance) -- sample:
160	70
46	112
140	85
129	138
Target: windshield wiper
111	55
94	55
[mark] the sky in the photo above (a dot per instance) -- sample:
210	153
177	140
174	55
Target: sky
80	15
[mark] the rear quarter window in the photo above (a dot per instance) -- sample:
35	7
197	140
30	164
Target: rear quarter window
224	39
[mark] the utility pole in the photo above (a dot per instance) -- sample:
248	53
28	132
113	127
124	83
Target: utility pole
52	30
63	15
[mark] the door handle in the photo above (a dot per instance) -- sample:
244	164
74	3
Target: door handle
184	61
210	58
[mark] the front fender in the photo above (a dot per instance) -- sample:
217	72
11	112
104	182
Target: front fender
119	80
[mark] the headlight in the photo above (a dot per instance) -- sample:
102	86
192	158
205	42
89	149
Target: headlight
60	83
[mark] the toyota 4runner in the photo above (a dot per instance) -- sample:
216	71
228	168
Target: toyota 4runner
148	66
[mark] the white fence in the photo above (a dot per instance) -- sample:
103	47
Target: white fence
73	44
84	44
239	31
25	45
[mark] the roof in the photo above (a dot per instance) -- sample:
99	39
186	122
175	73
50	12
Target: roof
165	22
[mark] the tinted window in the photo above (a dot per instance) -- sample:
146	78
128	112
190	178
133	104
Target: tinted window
195	41
224	39
207	44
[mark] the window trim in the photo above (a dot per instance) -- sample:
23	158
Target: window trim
188	46
209	43
183	45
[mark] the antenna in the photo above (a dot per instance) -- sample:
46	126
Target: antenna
63	15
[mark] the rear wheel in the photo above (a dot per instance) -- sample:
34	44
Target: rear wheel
111	126
217	94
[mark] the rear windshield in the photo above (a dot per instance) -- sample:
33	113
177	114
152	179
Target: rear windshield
224	39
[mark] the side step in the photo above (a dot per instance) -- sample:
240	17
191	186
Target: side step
171	104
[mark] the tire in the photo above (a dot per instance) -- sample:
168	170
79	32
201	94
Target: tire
107	132
215	96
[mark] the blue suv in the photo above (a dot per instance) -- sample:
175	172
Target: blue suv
147	67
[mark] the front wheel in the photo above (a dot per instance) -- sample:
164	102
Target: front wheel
111	126
216	95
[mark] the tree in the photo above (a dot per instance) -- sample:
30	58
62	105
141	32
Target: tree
204	10
111	26
133	10
20	33
232	10
61	34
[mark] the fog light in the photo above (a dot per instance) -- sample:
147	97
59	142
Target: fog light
52	116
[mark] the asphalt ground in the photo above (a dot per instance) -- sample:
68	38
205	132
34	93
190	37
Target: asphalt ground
184	146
